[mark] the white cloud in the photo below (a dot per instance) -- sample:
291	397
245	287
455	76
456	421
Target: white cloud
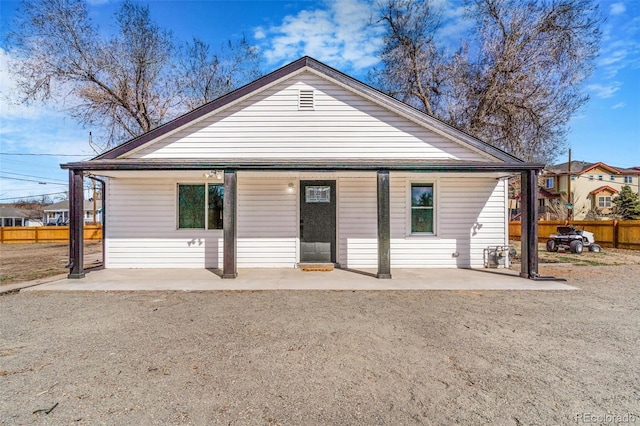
602	91
11	105
613	57
617	8
619	105
340	34
454	25
259	34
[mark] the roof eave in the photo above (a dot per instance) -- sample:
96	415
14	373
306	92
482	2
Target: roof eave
298	165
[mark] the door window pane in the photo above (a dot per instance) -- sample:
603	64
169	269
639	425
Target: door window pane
318	194
216	198
191	206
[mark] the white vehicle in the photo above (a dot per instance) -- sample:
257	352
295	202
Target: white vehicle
573	239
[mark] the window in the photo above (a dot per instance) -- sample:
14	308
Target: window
573	177
604	202
318	194
192	200
628	179
422	208
600	177
590	177
549	182
612	177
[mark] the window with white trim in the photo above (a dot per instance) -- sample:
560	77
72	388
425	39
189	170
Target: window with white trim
200	206
612	177
422	208
628	179
549	182
604	202
600	177
590	177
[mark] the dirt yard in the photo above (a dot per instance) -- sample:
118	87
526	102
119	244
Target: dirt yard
326	357
608	256
25	262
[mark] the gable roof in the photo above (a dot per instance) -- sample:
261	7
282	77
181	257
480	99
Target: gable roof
580	167
305	63
603	166
11	211
604	188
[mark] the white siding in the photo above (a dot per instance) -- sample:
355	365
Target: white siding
267	222
469	217
342	125
358	222
141	223
141	227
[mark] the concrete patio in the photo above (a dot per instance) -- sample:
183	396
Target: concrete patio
295	279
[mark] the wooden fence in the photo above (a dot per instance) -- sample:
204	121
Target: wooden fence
45	234
608	233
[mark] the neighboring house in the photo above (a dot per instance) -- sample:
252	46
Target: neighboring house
304	165
593	186
58	213
20	215
547	205
12	216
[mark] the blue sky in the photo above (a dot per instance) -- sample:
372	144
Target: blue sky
337	32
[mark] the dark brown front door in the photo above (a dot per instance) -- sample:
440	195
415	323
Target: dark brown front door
318	221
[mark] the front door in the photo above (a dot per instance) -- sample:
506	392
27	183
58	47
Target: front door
318	221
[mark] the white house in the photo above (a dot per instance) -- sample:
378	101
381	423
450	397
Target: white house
305	164
58	213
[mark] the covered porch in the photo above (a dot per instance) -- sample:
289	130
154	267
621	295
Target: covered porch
230	168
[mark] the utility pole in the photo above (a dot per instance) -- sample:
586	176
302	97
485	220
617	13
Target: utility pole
569	203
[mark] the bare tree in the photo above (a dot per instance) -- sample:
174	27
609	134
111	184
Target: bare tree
125	84
208	75
413	69
514	83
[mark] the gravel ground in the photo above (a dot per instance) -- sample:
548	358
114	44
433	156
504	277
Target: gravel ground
298	357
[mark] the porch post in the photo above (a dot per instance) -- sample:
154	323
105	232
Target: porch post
384	226
529	223
76	224
229	224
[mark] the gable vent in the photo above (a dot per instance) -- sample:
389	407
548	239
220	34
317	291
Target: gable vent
305	100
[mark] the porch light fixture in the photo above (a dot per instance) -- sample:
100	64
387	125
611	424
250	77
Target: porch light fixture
291	186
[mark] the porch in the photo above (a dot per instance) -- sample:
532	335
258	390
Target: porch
254	279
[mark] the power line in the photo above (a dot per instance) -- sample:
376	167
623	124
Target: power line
31	176
31	180
32	196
